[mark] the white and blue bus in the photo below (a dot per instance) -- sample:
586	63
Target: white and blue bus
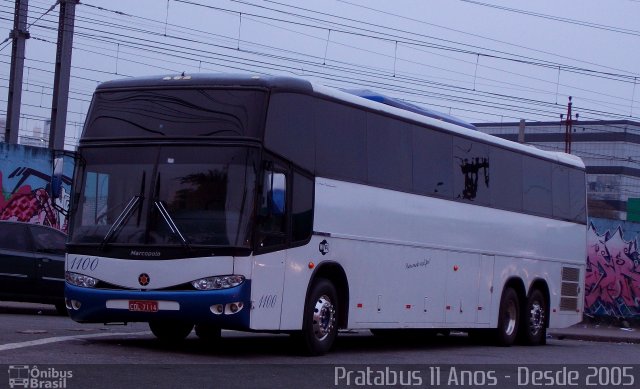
272	204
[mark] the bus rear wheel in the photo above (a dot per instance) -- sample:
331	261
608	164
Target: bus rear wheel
170	331
320	320
508	318
534	320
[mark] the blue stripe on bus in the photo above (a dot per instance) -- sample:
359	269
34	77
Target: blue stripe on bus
194	305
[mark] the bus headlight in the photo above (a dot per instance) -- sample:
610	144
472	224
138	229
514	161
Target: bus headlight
80	280
218	282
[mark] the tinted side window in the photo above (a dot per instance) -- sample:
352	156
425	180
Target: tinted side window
471	171
389	152
432	168
341	148
272	214
15	237
289	128
560	185
537	186
47	240
506	179
577	196
302	208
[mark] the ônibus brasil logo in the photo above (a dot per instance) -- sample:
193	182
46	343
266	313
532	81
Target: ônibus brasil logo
25	376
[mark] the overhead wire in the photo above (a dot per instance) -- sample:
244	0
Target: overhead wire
228	11
557	18
330	73
473	49
502	42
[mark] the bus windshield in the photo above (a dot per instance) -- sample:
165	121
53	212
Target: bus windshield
166	196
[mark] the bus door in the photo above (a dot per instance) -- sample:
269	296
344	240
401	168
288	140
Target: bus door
267	275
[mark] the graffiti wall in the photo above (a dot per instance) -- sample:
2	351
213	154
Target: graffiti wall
612	281
36	184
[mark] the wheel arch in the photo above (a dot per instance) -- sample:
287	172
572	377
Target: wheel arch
517	285
334	272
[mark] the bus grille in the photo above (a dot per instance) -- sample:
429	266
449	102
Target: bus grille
570	289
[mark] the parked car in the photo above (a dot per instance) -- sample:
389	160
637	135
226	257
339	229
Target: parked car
32	264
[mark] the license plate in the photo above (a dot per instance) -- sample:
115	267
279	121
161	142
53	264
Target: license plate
143	306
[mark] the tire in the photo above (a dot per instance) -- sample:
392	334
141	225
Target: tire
170	331
508	318
320	320
534	328
208	333
61	309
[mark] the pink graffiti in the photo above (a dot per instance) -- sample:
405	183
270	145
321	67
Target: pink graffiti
29	205
612	281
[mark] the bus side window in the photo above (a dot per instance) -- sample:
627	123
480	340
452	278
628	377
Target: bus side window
273	208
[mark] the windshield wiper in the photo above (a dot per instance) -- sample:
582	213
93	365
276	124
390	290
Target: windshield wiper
126	213
172	225
122	219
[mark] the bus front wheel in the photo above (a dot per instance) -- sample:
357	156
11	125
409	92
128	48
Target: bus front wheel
208	333
508	318
320	320
170	331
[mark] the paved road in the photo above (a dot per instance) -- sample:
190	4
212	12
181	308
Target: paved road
128	356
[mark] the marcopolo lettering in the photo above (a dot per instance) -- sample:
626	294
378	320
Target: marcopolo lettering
136	253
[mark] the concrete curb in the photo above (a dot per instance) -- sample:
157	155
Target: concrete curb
598	332
595	338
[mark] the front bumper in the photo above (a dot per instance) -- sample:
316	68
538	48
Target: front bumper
111	306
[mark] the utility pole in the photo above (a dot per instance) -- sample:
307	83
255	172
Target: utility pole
568	128
62	74
521	129
19	34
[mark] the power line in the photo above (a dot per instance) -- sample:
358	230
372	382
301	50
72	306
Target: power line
173	48
192	41
558	18
476	35
474	50
174	37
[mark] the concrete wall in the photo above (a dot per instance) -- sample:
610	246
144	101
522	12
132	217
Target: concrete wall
26	177
612	282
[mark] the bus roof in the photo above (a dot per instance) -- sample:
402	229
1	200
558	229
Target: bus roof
392	101
366	99
215	79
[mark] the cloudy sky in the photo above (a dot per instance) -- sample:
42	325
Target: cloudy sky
480	60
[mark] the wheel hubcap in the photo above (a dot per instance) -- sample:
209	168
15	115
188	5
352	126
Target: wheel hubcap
510	318
536	318
324	317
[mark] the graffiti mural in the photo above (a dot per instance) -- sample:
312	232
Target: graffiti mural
35	186
612	280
